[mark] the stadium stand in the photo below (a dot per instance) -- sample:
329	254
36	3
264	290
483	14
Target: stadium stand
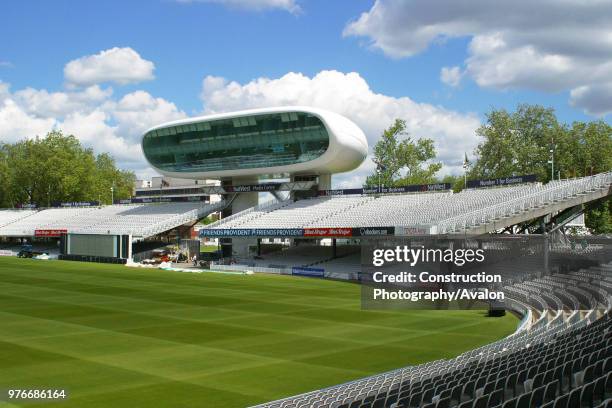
440	212
238	219
48	218
140	220
149	220
556	359
537	197
10	216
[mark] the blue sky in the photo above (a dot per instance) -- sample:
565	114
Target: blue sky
246	40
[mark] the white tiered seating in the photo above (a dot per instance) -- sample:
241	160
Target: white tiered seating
143	220
140	220
445	212
548	344
306	213
45	219
10	216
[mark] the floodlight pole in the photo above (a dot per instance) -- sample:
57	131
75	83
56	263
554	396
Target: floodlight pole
552	159
378	171
466	165
552	164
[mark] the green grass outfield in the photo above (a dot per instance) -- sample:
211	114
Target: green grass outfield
126	337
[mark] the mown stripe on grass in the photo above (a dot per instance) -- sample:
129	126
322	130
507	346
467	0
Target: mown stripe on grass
128	338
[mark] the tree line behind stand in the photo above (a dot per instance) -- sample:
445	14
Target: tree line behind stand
510	143
57	168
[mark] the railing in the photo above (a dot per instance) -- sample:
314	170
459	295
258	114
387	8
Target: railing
552	192
182	218
269	206
20	218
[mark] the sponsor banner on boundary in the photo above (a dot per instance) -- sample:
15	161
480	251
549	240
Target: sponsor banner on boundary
388	190
373	231
297	232
49	233
252	232
328	232
415	230
503	181
305	271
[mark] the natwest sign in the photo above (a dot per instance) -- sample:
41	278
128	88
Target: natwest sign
415	188
49	233
328	232
253	188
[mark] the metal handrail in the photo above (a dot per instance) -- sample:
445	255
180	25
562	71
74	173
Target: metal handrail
556	192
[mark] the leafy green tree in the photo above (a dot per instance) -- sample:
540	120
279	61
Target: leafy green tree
107	176
516	143
585	149
5	196
520	142
599	217
58	168
405	161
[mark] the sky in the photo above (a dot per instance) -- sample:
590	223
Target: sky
108	71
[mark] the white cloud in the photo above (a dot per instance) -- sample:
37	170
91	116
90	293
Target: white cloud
119	65
596	100
16	122
350	95
52	104
451	76
289	5
94	130
139	110
114	124
547	45
91	114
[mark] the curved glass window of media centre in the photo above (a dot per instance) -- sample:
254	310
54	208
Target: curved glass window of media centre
247	142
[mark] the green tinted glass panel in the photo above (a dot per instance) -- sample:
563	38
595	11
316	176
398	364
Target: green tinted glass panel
240	143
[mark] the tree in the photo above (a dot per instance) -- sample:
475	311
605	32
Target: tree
520	143
599	216
516	143
586	149
456	182
403	162
57	168
107	176
5	196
